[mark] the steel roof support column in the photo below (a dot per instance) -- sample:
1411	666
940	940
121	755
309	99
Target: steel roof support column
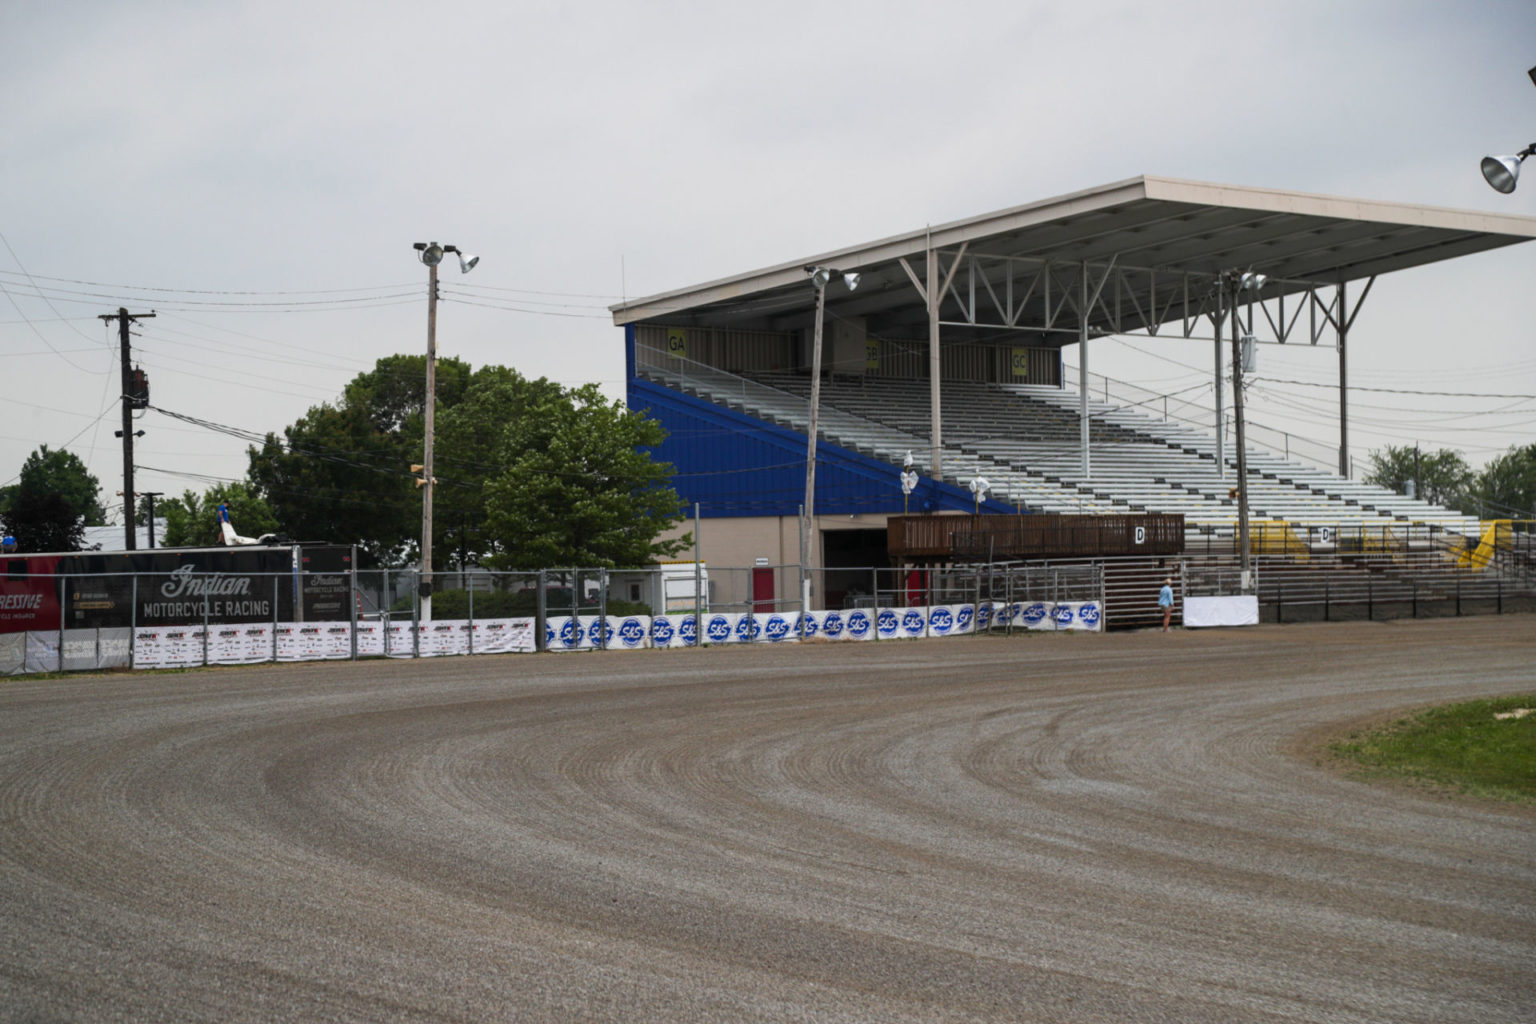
1221	455
1342	327
936	466
1082	372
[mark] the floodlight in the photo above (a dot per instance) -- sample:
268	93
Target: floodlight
851	280
819	276
467	263
1502	171
431	253
1252	281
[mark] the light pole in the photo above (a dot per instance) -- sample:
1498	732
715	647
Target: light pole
431	254
1236	282
819	278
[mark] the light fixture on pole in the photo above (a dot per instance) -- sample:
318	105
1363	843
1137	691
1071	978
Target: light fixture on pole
820	276
908	481
1502	172
431	254
1234	282
979	488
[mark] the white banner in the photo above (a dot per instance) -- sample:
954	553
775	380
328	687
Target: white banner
400	640
240	644
79	653
42	651
370	639
13	653
1234	610
777	627
675	630
500	636
720	628
1079	615
852	624
168	646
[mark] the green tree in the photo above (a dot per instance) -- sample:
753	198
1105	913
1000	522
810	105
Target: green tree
1443	477
192	519
575	486
342	472
52	502
1506	488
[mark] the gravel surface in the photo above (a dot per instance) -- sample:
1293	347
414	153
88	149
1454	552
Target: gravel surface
1037	828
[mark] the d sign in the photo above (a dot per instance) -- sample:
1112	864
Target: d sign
1141	535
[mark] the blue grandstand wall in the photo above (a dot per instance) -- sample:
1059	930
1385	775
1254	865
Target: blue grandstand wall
732	464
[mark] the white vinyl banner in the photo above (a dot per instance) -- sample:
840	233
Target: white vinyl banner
240	644
777	627
674	630
79	653
1234	610
168	647
42	654
500	636
370	639
13	653
852	624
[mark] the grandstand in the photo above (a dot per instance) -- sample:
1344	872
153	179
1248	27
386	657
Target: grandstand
1022	439
950	348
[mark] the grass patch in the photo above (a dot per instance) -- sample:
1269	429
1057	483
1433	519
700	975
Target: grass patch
1483	747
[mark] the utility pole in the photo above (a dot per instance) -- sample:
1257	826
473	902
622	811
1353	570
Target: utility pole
131	401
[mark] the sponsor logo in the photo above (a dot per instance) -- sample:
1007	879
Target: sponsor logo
776	628
1034	614
632	632
984	616
688	629
1062	613
570	633
1088	615
662	631
748	628
549	634
964	618
858	624
182	583
809	625
940	620
600	632
21	602
887	623
912	622
718	629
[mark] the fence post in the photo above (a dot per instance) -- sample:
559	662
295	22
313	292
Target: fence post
60	581
541	616
416	617
469	586
1370	598
1279	601
205	621
133	617
1458	595
1415	585
274	617
1327	608
354	599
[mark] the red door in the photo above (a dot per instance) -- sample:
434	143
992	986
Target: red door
762	588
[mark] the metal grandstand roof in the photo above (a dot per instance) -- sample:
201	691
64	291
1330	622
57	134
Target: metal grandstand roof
1139	254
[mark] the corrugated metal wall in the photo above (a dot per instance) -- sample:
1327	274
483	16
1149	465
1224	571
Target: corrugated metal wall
746	351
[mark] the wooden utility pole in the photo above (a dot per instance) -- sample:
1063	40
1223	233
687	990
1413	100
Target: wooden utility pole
131	401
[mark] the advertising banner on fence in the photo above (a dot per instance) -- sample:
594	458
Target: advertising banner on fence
675	630
168	647
503	636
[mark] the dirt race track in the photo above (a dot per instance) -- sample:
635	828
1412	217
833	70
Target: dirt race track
1046	828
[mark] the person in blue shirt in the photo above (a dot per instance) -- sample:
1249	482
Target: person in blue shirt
1165	601
223	511
8	544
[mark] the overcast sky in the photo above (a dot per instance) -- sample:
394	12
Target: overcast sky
257	173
